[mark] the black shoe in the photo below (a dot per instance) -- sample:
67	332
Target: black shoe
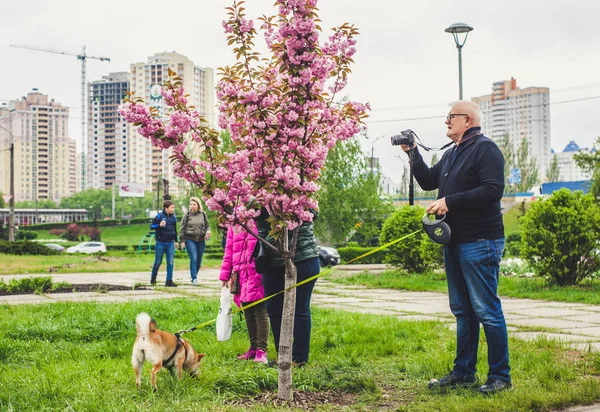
170	284
153	281
493	386
451	381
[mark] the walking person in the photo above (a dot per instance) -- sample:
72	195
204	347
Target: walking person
246	286
470	179
165	225
194	233
307	264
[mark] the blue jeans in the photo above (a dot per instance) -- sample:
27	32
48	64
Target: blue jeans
195	251
159	250
472	271
273	282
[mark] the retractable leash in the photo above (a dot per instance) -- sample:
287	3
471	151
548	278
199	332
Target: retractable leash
305	281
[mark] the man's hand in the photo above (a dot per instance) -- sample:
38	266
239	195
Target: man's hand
406	147
207	237
438	207
182	245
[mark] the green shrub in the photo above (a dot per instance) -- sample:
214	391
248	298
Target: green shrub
116	247
513	245
351	252
561	237
417	253
34	284
25	248
26	235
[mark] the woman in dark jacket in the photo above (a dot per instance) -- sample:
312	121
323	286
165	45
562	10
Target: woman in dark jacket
307	264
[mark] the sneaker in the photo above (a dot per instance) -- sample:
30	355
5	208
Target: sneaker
261	357
153	281
170	284
195	282
248	355
451	381
493	386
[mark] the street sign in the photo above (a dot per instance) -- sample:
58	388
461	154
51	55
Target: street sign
514	176
6	198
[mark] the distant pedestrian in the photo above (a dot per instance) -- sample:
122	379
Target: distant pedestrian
165	225
194	233
247	287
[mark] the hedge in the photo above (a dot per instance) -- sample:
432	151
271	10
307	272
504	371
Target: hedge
116	247
109	222
25	248
349	253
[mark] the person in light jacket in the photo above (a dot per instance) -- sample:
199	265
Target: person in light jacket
194	233
239	262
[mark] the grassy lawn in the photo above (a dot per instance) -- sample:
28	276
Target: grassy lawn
78	263
76	356
111	235
510	286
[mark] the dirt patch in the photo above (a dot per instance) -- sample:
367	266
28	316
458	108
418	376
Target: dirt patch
86	287
308	401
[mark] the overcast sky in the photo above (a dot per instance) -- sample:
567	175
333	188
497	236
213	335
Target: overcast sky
406	65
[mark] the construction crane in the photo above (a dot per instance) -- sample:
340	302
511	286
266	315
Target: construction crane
83	57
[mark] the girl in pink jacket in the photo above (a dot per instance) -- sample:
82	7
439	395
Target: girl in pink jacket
238	259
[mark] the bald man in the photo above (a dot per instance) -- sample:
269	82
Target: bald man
470	179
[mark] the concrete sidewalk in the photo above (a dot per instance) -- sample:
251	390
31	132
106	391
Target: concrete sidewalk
574	323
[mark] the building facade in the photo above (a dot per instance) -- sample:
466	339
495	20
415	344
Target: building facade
520	114
107	132
44	154
567	167
147	164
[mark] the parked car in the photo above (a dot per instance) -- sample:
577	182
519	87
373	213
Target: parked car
328	256
88	247
54	246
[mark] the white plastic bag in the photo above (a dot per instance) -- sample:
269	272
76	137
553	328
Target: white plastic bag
224	318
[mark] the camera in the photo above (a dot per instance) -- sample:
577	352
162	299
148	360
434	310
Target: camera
406	137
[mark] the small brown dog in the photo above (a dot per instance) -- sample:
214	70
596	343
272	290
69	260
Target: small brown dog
161	349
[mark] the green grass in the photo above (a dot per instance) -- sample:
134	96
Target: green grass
112	235
515	287
511	218
78	263
76	356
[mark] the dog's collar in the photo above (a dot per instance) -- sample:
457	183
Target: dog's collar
177	346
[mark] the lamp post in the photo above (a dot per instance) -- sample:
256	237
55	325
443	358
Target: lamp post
458	30
372	152
11	213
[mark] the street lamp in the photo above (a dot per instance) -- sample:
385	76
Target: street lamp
372	152
11	213
458	30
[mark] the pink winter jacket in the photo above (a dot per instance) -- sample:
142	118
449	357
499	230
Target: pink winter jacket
238	257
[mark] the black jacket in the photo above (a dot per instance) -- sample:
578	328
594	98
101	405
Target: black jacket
168	233
473	186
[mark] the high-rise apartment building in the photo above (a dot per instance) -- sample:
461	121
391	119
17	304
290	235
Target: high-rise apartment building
520	114
148	164
44	154
107	132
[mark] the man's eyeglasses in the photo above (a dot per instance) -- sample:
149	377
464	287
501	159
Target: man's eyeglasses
453	115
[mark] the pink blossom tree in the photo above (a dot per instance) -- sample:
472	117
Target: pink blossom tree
283	118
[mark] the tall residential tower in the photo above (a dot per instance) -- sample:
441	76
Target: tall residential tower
44	154
148	164
107	132
520	114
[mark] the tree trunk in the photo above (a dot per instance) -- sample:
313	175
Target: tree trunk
284	361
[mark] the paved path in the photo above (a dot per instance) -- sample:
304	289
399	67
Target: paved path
575	323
